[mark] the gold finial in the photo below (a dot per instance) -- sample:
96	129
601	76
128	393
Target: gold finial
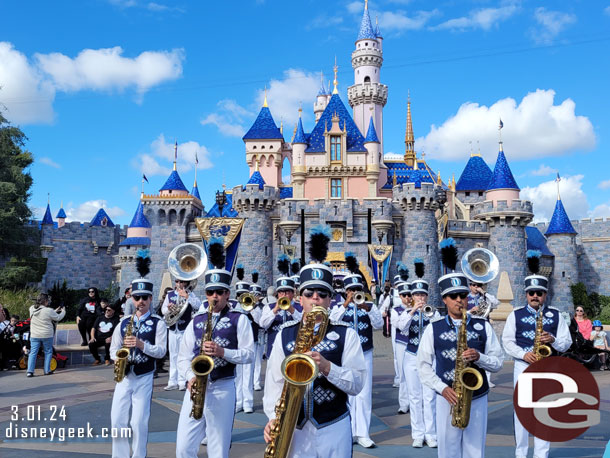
335	82
438	178
394	179
265	101
175	154
366	4
256	165
62	203
410	156
282	125
453	182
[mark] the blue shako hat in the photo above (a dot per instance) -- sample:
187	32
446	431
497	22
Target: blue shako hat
254	286
454	282
402	276
241	286
404	288
142	286
420	285
218	277
284	282
317	274
535	282
353	280
295	268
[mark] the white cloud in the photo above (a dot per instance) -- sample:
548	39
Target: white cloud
607	10
484	18
551	24
536	127
355	7
25	95
604	184
544	198
600	211
48	161
225	124
86	211
399	21
543	171
324	20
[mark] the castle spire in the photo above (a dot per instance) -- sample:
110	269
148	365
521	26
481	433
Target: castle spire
265	104
560	223
500	134
366	31
335	82
557	180
410	156
175	154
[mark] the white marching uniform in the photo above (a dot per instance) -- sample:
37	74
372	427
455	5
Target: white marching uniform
385	307
219	404
134	392
361	404
562	342
399	356
334	439
175	338
244	373
472	438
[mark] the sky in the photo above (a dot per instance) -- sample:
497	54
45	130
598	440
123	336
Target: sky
104	88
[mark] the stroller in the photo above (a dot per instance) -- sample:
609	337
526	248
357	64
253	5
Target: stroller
22	334
582	350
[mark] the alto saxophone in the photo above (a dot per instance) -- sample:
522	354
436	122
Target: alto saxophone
466	380
299	370
540	350
122	354
202	365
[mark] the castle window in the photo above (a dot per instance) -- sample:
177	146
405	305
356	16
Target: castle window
335	148
254	147
366	43
563	274
367	79
263	147
467	193
480	193
335	187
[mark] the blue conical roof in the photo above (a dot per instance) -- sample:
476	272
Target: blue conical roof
502	177
98	219
195	192
366	28
377	31
560	223
264	127
257	178
322	90
371	135
47	218
61	213
174	183
139	219
476	175
299	136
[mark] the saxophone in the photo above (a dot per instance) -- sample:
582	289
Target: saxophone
122	354
540	350
202	365
466	380
299	370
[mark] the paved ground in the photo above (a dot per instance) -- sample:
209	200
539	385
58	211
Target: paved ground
86	393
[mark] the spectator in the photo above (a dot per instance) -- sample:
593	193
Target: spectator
86	314
42	330
101	334
598	336
126	302
104	303
584	324
9	346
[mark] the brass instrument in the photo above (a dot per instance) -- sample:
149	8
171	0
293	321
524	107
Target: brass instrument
428	310
480	266
202	365
299	370
359	298
466	380
186	262
540	350
248	301
284	303
122	354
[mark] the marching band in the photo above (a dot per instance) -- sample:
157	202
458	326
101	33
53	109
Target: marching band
318	344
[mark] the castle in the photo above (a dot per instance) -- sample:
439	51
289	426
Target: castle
340	176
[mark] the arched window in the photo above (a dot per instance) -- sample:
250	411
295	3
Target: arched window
161	217
367	79
172	217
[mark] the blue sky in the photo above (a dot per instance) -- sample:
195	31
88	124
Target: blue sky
103	89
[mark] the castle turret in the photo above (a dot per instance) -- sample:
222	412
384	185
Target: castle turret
47	218
299	170
367	91
561	241
174	186
61	216
373	146
139	230
473	182
321	99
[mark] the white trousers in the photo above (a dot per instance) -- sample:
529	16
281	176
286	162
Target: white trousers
135	393
396	368
360	406
331	441
175	339
258	362
541	447
217	422
421	402
403	390
461	443
244	388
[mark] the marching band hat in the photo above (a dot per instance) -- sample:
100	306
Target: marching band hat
258	289
219	277
404	288
317	274
454	282
352	281
284	283
420	285
535	282
142	286
241	286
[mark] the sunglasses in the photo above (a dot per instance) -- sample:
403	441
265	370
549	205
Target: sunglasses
91	291
139	298
454	296
580	310
404	294
322	293
535	293
211	292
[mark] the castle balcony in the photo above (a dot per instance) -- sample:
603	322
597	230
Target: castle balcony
518	212
359	94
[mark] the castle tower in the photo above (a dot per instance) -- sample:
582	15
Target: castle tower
373	146
506	216
139	234
472	184
561	240
299	170
61	216
264	147
321	100
47	218
367	91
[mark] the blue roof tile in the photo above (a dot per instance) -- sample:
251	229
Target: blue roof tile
366	28
322	90
61	213
98	219
195	192
264	127
536	241
257	178
502	176
286	192
405	174
371	135
47	218
139	219
377	31
355	140
299	137
136	241
476	175
227	210
560	223
174	183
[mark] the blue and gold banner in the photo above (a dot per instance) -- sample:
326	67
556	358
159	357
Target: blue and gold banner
229	228
381	257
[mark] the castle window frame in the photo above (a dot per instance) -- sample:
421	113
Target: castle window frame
336	187
367	79
335	149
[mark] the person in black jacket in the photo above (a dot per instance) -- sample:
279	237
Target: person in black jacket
88	311
101	334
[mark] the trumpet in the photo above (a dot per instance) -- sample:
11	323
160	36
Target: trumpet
284	303
359	298
248	301
428	310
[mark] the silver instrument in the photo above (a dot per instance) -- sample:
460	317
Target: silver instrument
429	311
359	298
186	262
480	266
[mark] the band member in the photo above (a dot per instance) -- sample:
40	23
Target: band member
386	308
146	344
421	398
364	317
295	268
173	303
436	360
323	429
339	291
518	341
400	343
231	345
477	294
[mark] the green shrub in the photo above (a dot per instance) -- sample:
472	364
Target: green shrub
18	302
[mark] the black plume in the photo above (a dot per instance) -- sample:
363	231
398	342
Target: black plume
449	253
216	252
283	264
533	260
240	271
143	262
295	266
318	243
403	271
351	262
420	267
255	276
